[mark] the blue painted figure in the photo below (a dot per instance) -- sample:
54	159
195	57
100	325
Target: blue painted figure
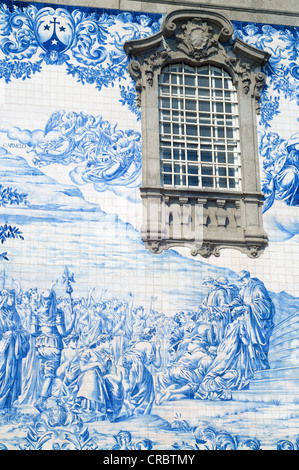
188	328
14	346
259	311
182	377
48	325
31	370
217	302
281	169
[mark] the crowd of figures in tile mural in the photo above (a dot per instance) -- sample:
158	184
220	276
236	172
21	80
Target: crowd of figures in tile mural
98	337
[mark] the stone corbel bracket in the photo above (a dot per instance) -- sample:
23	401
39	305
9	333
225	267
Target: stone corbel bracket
206	250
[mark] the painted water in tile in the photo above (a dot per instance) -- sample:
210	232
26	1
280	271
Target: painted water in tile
104	345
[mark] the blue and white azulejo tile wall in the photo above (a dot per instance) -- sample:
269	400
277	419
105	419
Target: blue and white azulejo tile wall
118	347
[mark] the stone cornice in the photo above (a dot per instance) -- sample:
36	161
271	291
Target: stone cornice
256	7
259	11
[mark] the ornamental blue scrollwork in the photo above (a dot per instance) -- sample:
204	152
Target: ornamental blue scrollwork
291	40
107	157
18	40
90	45
90	38
280	175
25	31
54	31
58	429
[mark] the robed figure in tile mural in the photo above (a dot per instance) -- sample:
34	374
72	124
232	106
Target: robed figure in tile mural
135	367
233	366
259	314
98	391
14	346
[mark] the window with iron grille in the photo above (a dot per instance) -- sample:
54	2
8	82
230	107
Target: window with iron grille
199	128
199	91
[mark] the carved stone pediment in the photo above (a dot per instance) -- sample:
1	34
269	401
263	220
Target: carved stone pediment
196	36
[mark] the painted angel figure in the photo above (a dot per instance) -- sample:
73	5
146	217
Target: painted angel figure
134	368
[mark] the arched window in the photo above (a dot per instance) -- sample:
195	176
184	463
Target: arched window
199	94
199	128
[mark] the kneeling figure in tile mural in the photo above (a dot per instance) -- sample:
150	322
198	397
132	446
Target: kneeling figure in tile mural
183	376
138	381
98	391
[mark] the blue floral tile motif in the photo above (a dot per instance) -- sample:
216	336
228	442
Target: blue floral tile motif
269	109
19	70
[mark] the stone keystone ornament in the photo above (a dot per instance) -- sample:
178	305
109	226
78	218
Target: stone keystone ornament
197	39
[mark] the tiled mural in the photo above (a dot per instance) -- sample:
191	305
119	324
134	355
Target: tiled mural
104	345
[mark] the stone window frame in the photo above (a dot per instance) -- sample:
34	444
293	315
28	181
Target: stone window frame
230	219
